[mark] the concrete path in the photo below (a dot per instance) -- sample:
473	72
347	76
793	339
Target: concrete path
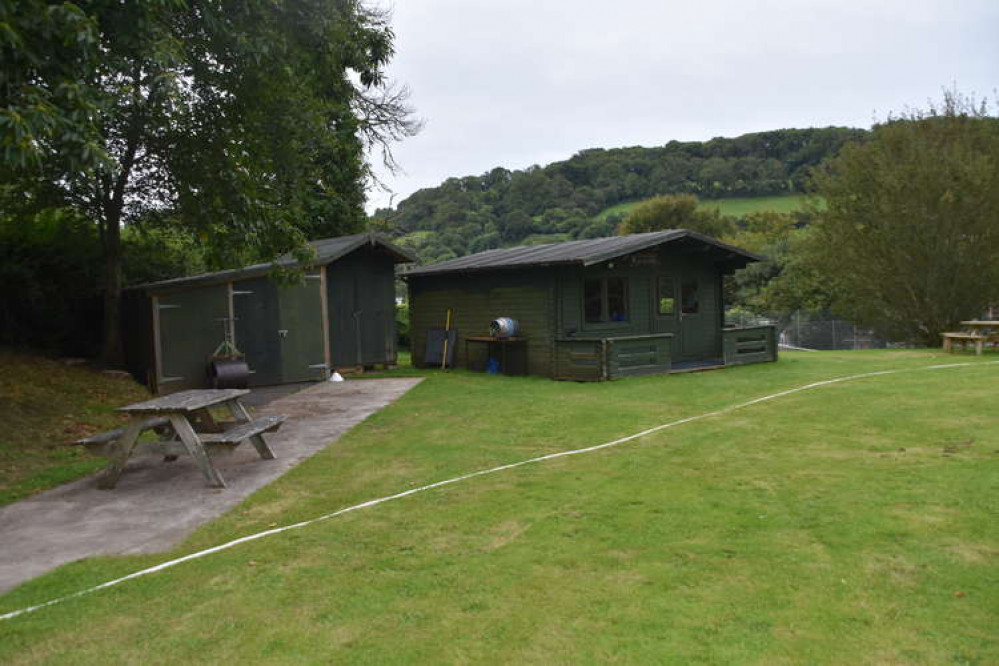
156	504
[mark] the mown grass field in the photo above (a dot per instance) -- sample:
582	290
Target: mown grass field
735	207
853	523
44	405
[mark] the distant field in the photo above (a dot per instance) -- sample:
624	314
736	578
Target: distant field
736	207
541	239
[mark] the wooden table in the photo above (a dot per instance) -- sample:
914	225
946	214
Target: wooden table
984	326
188	415
975	330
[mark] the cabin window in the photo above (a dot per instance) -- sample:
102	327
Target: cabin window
605	300
666	296
689	299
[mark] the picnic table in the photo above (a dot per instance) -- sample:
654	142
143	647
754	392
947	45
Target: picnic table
186	426
976	331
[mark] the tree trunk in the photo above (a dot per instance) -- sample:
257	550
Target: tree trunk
112	352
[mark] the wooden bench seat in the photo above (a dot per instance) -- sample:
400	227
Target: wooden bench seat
170	446
100	443
243	431
964	338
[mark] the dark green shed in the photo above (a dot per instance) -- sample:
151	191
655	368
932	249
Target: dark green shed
593	309
342	314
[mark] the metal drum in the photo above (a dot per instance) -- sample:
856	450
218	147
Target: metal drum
228	373
504	327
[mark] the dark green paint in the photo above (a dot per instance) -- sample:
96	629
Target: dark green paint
191	328
361	293
548	302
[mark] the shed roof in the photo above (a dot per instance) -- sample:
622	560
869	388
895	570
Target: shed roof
583	253
327	250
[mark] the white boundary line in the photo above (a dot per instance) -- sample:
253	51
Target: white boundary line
472	475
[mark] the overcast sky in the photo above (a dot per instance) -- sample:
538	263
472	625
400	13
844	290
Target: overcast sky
519	82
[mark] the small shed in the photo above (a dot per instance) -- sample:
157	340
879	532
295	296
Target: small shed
342	314
592	309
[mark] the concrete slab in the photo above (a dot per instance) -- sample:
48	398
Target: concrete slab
157	504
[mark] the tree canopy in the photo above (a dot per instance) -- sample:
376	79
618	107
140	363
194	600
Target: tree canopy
910	236
565	199
245	123
676	212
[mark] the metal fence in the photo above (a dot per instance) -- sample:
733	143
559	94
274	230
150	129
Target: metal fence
813	330
824	331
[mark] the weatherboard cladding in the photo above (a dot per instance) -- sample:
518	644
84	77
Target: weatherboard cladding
581	252
172	327
327	250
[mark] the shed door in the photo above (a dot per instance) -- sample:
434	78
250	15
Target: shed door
301	331
191	325
279	329
346	313
258	320
377	295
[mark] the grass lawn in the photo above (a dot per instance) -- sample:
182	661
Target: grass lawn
736	206
45	405
854	523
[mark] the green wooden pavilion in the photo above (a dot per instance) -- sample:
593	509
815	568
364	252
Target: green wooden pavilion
342	314
590	309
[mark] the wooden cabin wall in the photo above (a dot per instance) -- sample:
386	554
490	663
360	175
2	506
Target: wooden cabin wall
572	322
361	303
476	300
696	336
137	337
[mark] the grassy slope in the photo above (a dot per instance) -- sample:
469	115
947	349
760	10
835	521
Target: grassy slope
45	405
736	207
851	524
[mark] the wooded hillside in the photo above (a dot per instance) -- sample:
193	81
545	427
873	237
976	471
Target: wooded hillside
565	199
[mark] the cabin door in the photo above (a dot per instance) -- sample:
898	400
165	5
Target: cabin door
700	316
666	310
682	307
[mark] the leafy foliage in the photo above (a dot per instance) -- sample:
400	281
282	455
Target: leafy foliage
910	235
245	123
784	281
46	109
503	207
676	212
50	277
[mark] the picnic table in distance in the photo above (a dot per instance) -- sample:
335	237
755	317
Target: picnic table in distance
976	331
186	426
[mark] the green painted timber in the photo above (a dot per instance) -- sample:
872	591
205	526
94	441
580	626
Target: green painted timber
597	359
258	320
301	330
548	301
475	301
696	336
580	359
756	344
191	328
361	291
279	329
638	355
